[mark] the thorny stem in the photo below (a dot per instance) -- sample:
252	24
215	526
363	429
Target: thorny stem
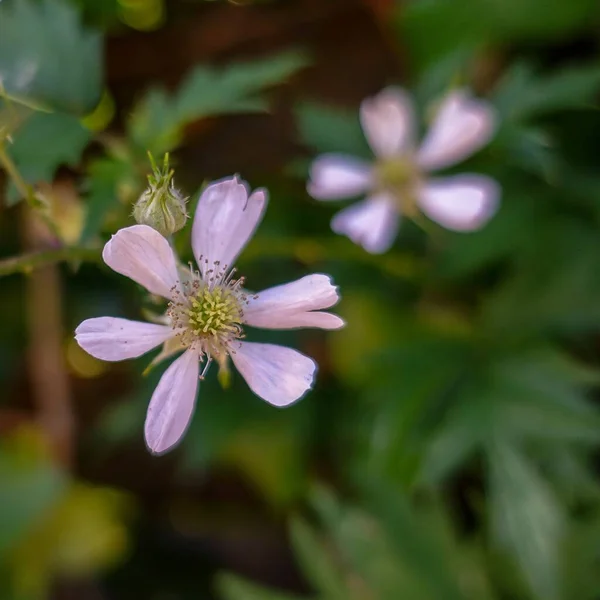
31	261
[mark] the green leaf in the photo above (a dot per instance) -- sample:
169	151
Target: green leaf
315	562
437	28
45	142
580	560
27	492
48	58
329	129
526	518
522	93
105	177
232	587
457	438
544	397
417	547
552	286
158	121
463	256
404	425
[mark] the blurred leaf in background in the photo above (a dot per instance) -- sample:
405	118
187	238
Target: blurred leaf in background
392	553
48	59
158	121
50	525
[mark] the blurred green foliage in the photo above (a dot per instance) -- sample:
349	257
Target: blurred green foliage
456	415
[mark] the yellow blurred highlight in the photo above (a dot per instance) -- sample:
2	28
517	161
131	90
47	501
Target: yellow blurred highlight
366	332
84	533
271	458
81	364
445	319
102	115
27	445
143	15
66	209
308	251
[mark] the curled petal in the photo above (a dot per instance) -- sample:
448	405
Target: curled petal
462	126
373	223
460	203
142	254
172	404
295	304
336	176
388	122
225	220
113	339
277	374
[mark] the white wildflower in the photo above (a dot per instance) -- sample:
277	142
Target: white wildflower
207	310
398	182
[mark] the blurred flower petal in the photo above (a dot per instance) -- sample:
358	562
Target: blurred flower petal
110	338
142	254
224	222
462	126
336	176
388	122
172	405
460	203
276	374
289	306
373	223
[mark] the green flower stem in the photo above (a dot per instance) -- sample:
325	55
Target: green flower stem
27	263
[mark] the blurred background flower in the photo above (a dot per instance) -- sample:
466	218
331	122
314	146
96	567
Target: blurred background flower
449	449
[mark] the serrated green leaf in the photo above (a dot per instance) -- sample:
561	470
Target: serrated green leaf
232	587
45	142
48	58
158	121
526	518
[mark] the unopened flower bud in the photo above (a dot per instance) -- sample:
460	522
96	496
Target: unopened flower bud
161	206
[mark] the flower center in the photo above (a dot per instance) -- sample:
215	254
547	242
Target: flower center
214	312
207	312
400	176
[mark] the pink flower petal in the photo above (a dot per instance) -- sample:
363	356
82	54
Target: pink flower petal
277	374
373	223
460	203
225	220
462	126
172	405
336	176
142	254
388	122
290	306
110	338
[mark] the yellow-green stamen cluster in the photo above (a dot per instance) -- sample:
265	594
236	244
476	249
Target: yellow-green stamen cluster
207	312
215	312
